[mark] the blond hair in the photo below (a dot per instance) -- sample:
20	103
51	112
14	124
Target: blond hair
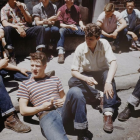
110	7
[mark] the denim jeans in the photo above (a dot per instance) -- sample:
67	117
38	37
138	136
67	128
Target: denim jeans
51	35
67	31
134	98
91	93
118	42
6	105
37	32
71	116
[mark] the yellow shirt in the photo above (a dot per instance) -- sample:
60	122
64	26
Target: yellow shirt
88	61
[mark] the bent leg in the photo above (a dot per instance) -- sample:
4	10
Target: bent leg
52	126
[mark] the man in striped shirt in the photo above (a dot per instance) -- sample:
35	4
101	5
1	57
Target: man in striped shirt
48	99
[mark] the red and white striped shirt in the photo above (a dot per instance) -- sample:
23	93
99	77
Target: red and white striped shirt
41	90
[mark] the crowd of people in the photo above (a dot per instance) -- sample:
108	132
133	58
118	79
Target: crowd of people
49	26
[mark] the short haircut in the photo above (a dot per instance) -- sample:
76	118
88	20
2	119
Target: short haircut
39	56
110	7
129	1
92	29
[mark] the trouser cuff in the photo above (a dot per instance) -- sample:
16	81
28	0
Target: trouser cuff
81	126
108	110
40	46
133	100
60	48
8	112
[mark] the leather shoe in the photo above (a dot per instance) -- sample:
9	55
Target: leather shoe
108	123
13	122
126	113
85	135
61	58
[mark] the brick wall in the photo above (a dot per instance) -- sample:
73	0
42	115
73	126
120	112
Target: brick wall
120	4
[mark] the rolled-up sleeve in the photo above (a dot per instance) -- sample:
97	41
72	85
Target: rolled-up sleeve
4	14
36	11
109	55
76	61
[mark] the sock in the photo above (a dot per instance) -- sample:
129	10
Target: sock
60	51
101	94
107	113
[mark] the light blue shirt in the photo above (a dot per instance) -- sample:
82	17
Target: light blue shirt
125	16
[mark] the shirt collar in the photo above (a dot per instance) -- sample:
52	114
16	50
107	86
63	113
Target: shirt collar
41	5
86	48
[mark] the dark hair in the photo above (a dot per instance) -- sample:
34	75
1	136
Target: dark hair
92	29
109	7
39	56
129	1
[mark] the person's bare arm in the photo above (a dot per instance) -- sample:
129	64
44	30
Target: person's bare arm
25	13
25	110
108	89
60	102
120	27
89	80
4	63
134	36
38	21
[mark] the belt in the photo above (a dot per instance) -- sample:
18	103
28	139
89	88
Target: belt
43	114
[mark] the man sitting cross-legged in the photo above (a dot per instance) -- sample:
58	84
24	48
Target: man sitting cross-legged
49	103
70	23
133	101
99	66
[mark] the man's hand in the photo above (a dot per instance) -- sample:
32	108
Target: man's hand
73	27
59	103
108	90
82	27
114	34
4	62
91	81
134	36
24	71
47	105
19	5
21	31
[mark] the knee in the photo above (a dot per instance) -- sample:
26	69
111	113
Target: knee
71	82
9	28
55	30
62	30
75	93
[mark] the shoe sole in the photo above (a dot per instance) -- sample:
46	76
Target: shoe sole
120	119
108	130
15	130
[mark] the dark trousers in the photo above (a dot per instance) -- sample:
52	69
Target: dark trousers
6	105
37	32
91	93
118	42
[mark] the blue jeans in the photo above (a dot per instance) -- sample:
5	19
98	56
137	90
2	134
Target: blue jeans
118	42
71	116
67	31
51	35
36	32
6	105
134	98
91	93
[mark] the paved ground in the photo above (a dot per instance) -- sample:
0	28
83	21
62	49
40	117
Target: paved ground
126	78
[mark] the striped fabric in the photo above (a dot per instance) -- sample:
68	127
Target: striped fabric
40	91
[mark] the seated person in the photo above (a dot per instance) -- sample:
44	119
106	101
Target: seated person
70	23
50	105
16	19
44	14
131	16
107	20
133	101
98	64
6	107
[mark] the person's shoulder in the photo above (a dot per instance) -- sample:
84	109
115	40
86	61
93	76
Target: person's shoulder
102	15
5	7
102	43
61	8
137	11
117	13
76	6
54	6
81	47
37	6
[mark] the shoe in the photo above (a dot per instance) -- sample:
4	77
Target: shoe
126	113
85	135
108	123
139	70
13	122
134	46
137	43
50	73
61	58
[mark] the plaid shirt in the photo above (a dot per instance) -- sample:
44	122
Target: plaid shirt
13	16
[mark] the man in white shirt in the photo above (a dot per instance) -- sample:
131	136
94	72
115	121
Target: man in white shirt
99	66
